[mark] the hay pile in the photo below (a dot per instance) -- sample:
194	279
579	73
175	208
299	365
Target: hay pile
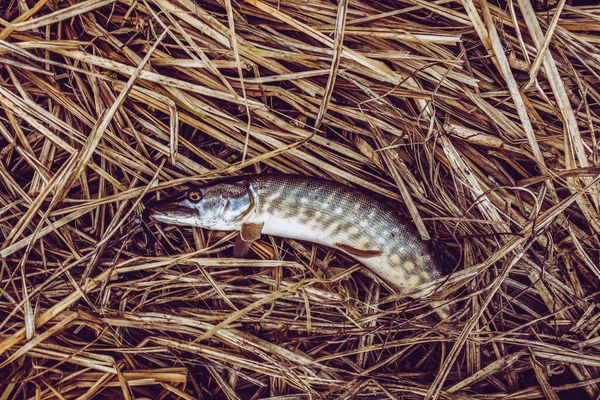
477	119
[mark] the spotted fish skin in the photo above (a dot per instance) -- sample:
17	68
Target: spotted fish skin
315	210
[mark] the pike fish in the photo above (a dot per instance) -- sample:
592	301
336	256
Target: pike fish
310	209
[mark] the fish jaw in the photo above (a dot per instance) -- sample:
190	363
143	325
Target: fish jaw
173	213
174	220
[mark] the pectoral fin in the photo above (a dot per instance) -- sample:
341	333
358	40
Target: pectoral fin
358	252
241	248
248	234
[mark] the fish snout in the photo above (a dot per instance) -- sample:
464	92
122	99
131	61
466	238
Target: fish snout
169	208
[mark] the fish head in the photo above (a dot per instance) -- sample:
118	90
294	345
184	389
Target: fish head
220	206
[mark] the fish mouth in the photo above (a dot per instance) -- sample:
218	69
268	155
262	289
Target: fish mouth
168	208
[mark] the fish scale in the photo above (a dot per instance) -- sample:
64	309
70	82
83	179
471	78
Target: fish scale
315	210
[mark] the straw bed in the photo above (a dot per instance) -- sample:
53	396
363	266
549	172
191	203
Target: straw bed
476	119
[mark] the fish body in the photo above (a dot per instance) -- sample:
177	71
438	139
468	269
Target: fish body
310	209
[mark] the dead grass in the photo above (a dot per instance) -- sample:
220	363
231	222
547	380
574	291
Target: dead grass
477	119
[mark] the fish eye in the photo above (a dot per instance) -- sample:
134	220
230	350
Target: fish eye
194	196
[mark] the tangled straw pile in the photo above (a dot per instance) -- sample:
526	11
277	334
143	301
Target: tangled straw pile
478	119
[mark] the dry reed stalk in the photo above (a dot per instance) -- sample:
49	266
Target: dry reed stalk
476	118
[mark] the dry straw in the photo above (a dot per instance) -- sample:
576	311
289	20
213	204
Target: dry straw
477	119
